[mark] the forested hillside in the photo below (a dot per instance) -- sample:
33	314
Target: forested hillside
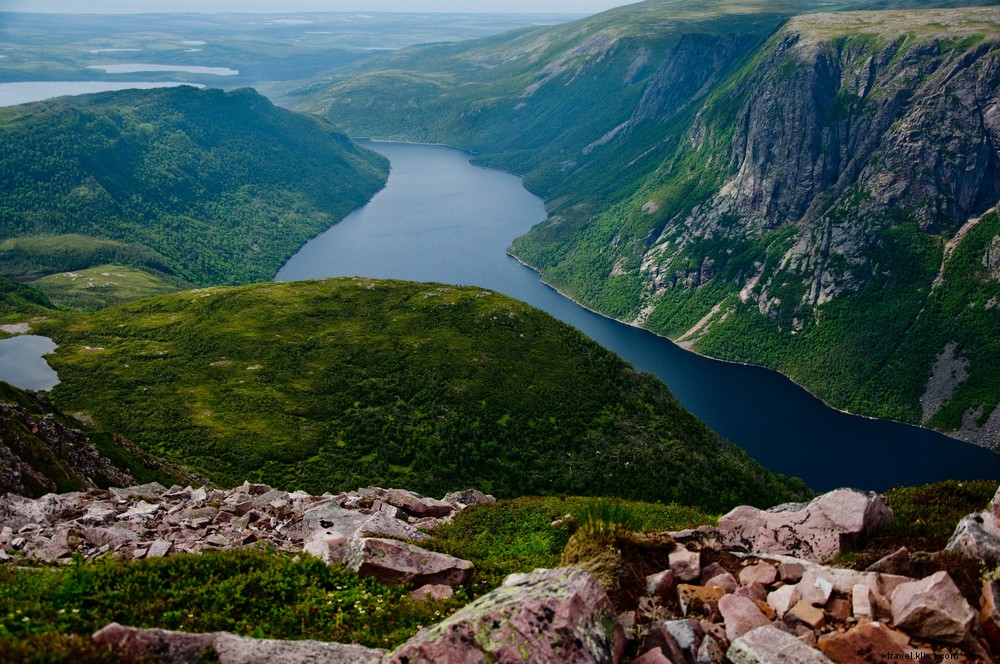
785	190
192	186
330	385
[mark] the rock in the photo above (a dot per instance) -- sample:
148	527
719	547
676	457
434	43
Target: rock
164	645
712	570
382	525
711	652
932	608
769	645
413	503
784	598
838	608
394	562
815	587
686	565
699	600
654	656
897	562
977	536
740	615
468	498
161	645
660	584
755	591
233	649
791	572
989	614
806	614
433	591
814	531
868	643
726	581
558	615
863	601
677	640
159	548
761	573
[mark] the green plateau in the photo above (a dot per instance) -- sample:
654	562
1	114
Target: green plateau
333	384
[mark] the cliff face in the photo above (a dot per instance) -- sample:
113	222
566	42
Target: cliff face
843	136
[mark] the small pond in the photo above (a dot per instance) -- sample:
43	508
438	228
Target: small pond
22	362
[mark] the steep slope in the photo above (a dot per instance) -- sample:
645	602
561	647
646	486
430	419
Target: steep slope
195	186
329	385
43	451
827	192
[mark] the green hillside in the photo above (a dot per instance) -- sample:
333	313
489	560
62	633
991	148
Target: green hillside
193	186
330	385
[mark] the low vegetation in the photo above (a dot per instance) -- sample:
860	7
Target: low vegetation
330	385
47	613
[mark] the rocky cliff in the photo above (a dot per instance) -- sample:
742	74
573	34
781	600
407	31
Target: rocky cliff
820	214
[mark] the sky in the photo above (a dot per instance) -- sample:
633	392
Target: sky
282	6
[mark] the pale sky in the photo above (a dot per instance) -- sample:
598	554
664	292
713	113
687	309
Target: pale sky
283	6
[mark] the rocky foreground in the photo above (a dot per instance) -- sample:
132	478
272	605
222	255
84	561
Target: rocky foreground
753	589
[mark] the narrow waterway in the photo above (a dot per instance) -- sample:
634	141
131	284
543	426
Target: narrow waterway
442	219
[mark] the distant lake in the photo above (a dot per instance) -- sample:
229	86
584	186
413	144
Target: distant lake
187	69
442	219
22	364
12	94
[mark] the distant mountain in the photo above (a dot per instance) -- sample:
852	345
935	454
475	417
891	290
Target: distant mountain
330	385
793	191
194	186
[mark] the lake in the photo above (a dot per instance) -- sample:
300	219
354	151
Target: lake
442	219
22	364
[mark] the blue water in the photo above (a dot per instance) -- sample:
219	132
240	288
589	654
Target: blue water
22	364
442	219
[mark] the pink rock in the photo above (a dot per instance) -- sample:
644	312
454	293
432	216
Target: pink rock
741	615
654	656
558	615
754	591
686	565
769	645
816	587
791	572
761	573
394	562
677	640
815	531
725	581
711	571
783	599
805	613
932	608
863	602
659	584
414	503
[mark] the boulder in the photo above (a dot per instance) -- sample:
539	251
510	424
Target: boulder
740	615
558	615
393	562
686	565
815	531
660	584
761	573
381	524
768	645
868	643
783	599
977	536
806	614
413	503
932	608
700	600
432	591
677	640
468	498
726	581
162	645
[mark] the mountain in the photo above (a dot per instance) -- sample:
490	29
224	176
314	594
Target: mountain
330	385
809	193
192	186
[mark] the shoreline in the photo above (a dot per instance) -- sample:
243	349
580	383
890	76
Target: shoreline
686	349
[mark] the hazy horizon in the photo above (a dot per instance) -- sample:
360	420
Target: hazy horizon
291	6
